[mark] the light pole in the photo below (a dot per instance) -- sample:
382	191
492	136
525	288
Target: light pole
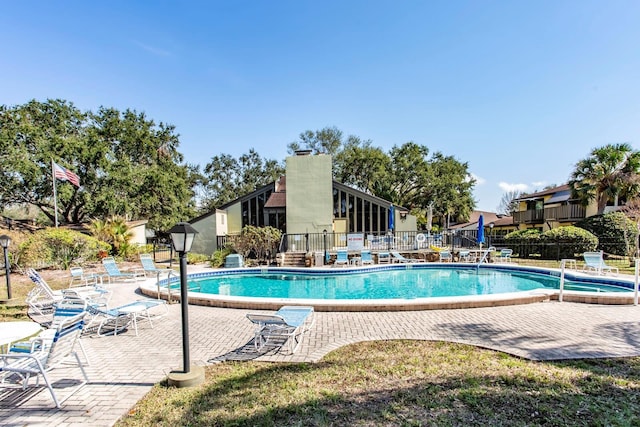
182	235
5	241
324	246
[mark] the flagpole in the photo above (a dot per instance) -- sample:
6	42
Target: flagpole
55	196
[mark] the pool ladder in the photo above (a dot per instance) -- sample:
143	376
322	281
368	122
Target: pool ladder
191	286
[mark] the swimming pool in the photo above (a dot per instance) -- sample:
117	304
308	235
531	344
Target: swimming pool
395	287
385	284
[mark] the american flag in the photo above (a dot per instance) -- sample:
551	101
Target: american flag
65	175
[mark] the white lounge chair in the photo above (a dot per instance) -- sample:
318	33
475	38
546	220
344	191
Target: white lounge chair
445	256
465	256
398	257
365	257
115	320
594	261
384	258
505	255
43	358
149	266
342	258
114	273
42	298
286	326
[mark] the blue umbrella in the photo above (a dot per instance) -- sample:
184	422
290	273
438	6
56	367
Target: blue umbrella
391	218
480	239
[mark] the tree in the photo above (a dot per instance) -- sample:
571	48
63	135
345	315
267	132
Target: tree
508	203
361	165
610	172
323	141
226	178
127	164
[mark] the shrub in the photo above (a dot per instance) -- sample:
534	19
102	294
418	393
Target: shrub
194	258
256	241
616	233
567	242
524	242
217	259
59	248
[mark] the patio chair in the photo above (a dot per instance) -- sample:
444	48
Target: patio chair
79	278
384	258
594	261
149	266
117	319
342	258
465	256
69	307
365	257
45	358
398	257
286	326
445	256
505	255
114	273
41	298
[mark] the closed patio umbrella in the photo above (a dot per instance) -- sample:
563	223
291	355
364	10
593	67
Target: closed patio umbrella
391	218
480	238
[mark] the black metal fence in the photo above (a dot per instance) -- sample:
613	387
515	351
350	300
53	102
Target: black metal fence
408	241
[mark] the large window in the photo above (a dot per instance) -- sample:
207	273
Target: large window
364	215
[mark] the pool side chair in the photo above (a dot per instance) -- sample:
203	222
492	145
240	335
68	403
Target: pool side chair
505	255
594	261
384	258
465	256
69	307
342	258
41	298
149	266
114	273
45	358
287	326
365	257
445	256
398	257
79	278
115	320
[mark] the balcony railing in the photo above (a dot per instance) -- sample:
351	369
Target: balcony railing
532	216
571	212
565	213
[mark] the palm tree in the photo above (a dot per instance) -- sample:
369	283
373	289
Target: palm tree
608	173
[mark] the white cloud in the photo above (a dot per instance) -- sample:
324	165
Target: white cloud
539	184
153	50
479	180
513	187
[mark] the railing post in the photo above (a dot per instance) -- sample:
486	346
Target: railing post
635	288
562	266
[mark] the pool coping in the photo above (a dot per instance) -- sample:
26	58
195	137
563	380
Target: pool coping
430	303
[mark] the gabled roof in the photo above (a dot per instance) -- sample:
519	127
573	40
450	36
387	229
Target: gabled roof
488	218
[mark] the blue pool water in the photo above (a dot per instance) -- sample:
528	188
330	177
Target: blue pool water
386	284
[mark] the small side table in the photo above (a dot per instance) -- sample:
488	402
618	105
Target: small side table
356	260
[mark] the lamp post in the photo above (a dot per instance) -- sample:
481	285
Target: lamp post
182	235
4	242
324	246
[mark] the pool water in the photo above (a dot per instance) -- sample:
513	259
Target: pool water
387	284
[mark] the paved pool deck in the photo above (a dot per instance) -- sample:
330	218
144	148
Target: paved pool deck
123	368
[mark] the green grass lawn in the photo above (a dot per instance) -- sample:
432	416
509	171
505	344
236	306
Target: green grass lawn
403	383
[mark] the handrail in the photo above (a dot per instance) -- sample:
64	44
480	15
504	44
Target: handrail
635	287
485	254
562	267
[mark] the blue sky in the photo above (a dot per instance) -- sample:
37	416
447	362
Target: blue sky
519	90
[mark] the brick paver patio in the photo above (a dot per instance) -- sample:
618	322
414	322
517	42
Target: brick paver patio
123	368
